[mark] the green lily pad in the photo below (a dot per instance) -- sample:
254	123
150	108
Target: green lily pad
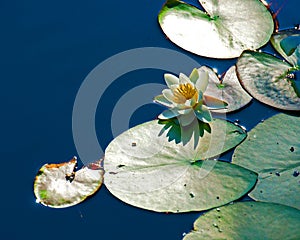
272	149
287	43
248	220
226	28
266	78
59	186
147	171
227	89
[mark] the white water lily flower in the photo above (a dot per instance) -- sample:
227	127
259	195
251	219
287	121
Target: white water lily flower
185	98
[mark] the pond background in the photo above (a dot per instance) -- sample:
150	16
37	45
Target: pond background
47	50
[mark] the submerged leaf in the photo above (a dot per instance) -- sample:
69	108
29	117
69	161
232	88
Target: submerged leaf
266	78
59	186
144	169
287	43
226	28
248	220
272	149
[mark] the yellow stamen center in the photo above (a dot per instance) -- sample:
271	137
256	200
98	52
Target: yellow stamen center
184	92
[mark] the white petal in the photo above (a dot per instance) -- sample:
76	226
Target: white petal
174	87
162	100
185	111
179	98
171	79
203	114
184	79
169	113
188	104
186	119
202	81
214	103
184	106
194	75
168	94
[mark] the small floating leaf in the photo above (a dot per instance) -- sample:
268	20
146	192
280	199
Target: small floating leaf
248	220
59	185
226	28
227	89
272	149
167	177
266	79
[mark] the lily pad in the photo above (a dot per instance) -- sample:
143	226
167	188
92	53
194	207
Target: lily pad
227	89
266	78
226	28
147	171
248	220
272	149
59	186
287	43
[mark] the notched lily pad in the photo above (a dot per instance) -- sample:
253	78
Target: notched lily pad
268	79
272	149
148	171
227	89
226	28
248	220
59	185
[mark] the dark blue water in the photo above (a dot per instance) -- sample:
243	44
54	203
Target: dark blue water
47	49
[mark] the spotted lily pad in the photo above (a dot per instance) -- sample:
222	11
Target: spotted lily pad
59	185
147	171
248	220
226	28
227	89
272	149
269	80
